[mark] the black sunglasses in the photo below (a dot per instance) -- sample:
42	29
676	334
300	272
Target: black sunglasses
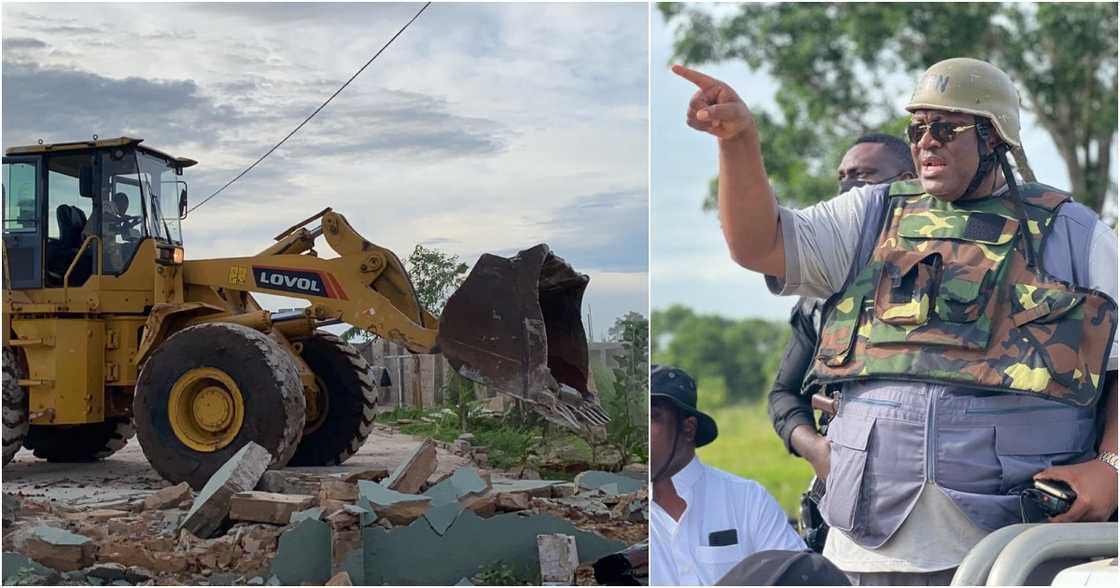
942	132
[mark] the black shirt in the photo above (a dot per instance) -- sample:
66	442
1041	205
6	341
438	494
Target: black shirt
786	405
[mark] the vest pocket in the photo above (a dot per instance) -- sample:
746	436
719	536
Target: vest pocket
1024	450
847	462
839	332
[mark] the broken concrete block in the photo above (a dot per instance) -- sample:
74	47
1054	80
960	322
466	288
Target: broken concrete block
267	507
311	513
304	554
330	506
462	483
608	482
398	508
19	569
564	490
410	476
559	559
340	579
170	497
374	475
286	482
60	549
107	571
484	505
534	488
443	516
403	555
240	474
335	489
513	501
99	515
342	519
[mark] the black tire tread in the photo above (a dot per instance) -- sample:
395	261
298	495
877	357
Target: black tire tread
15	421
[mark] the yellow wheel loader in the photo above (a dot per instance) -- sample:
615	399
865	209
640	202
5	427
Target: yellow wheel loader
107	328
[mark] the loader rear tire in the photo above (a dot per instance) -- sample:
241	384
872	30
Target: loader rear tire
15	405
208	391
350	402
79	443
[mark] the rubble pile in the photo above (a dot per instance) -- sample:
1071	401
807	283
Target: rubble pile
252	526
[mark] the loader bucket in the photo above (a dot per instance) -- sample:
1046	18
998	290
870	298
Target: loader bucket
515	326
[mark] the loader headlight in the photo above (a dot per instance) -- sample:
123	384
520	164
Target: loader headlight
170	255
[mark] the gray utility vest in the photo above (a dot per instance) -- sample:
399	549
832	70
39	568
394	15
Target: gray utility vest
890	438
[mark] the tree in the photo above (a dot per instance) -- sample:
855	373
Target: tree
743	354
831	61
626	430
435	275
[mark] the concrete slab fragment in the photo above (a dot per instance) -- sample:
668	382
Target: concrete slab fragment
60	549
558	558
311	513
618	484
534	488
267	507
443	516
304	554
352	565
240	474
22	569
404	555
460	484
398	507
410	475
335	489
169	497
287	482
373	475
513	501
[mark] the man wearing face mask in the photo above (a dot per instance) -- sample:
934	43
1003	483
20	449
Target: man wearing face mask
971	328
874	158
703	521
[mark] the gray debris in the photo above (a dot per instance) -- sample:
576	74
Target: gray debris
60	549
608	482
410	476
240	474
304	554
21	570
559	559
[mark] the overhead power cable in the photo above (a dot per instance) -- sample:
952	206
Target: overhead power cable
321	106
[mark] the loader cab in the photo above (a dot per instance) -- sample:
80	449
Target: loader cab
80	208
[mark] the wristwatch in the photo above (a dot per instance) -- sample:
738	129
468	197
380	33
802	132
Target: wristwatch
1109	458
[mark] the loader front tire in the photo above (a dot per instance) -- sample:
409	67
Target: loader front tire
15	406
208	391
347	402
79	443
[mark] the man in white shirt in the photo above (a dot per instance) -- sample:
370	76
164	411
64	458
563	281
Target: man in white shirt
703	521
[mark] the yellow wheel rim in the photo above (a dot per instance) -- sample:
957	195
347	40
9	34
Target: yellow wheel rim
318	404
206	409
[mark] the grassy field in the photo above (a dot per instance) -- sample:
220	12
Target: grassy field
748	447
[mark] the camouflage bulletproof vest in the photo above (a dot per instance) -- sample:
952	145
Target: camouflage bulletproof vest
948	297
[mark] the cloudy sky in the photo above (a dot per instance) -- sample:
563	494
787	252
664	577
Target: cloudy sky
690	263
483	128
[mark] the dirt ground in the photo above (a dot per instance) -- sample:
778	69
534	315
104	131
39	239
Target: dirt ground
126	474
146	547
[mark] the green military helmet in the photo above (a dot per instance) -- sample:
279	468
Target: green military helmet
974	87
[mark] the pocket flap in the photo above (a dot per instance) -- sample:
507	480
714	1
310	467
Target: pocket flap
852	432
1041	304
1063	437
976	227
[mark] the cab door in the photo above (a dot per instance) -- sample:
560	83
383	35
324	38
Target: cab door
23	226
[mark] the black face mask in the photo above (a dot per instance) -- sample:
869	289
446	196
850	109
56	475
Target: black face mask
849	183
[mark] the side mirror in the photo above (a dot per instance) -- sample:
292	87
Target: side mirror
85	181
182	200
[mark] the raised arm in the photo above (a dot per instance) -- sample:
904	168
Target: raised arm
747	209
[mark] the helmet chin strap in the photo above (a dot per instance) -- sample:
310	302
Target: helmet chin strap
1017	202
988	157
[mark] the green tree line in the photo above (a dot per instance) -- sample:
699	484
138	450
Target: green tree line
731	360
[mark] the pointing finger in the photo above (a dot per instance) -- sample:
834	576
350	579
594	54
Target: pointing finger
703	81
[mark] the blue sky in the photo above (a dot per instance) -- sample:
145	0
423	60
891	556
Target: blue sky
484	128
690	263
